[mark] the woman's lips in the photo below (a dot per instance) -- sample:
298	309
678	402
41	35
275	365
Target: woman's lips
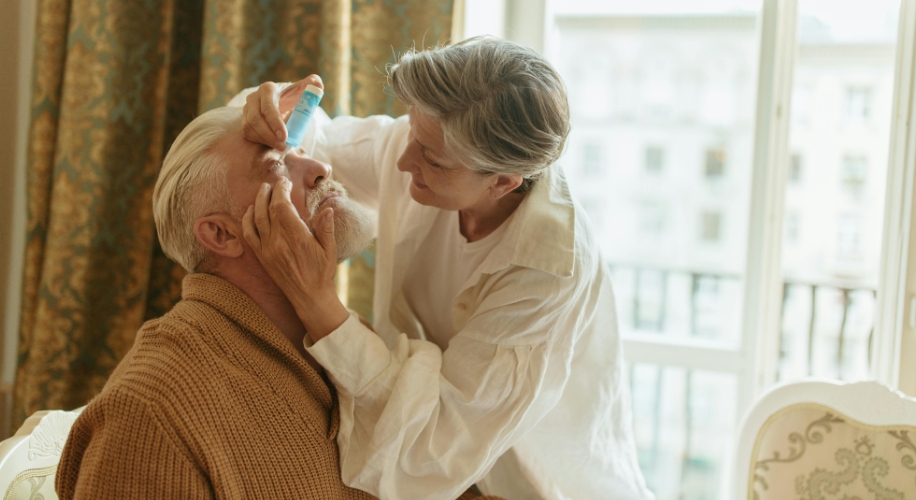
417	182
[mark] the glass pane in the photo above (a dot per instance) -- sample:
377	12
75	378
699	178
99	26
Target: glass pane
662	96
683	421
839	139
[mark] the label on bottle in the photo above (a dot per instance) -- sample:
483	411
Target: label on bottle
299	120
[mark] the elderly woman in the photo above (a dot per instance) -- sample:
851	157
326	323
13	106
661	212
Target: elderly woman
496	358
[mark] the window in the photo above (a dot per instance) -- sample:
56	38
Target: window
795	168
591	158
858	104
725	107
649	301
849	237
655	159
715	163
652	219
711	227
854	174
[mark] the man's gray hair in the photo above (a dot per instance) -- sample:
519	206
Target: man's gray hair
502	107
192	185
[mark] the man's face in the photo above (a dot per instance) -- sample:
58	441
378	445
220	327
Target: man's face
250	165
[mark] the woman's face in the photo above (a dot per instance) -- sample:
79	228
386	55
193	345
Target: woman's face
438	180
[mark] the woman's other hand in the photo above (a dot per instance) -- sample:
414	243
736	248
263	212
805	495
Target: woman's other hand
266	110
300	262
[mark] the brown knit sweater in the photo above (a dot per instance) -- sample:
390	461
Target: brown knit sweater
211	402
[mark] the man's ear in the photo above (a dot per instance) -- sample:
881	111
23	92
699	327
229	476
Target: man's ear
220	235
504	184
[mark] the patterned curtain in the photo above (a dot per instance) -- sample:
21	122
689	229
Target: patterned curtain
114	83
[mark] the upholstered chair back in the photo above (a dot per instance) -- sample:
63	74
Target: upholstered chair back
28	460
812	451
855	441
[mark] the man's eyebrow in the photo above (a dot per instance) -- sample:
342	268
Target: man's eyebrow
260	160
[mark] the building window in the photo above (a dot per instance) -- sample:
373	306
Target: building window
715	163
854	174
650	300
711	227
849	237
652	219
591	163
858	103
655	159
795	168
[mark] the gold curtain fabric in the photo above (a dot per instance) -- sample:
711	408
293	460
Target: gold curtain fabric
114	83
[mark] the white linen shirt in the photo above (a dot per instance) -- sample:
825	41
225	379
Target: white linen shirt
528	400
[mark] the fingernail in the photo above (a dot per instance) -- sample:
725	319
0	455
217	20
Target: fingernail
265	187
279	134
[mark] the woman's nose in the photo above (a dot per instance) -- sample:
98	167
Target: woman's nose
406	163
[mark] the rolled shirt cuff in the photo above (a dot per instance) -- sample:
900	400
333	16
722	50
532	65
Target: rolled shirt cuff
353	355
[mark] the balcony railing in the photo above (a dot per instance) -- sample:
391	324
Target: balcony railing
684	415
827	325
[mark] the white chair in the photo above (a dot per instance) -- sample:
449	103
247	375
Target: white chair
830	441
28	460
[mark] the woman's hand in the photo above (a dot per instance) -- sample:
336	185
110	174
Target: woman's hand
266	110
301	263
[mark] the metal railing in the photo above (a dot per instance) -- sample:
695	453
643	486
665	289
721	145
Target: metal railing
650	299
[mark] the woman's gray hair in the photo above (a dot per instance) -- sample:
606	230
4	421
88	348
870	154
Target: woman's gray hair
192	184
502	107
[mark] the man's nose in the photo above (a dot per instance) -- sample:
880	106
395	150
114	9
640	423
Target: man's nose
313	171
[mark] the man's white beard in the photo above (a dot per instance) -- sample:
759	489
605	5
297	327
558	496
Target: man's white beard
354	226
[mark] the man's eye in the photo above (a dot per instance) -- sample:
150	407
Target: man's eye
431	163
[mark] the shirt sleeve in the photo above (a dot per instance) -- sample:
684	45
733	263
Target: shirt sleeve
116	450
420	423
354	147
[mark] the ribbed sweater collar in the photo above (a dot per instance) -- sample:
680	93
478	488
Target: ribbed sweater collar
237	306
234	304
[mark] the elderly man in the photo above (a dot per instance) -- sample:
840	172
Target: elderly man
218	398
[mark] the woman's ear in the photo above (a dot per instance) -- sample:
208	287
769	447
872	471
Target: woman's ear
505	184
220	235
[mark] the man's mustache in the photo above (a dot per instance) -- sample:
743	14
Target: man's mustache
314	198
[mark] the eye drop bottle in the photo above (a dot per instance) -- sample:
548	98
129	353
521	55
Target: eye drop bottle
301	116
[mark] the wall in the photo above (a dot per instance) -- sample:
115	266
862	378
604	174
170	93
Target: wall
17	33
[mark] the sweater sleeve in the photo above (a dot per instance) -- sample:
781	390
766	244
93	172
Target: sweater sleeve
117	449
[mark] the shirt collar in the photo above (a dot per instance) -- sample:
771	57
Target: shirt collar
541	233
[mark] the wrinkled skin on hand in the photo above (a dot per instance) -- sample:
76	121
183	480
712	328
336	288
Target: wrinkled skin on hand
301	262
